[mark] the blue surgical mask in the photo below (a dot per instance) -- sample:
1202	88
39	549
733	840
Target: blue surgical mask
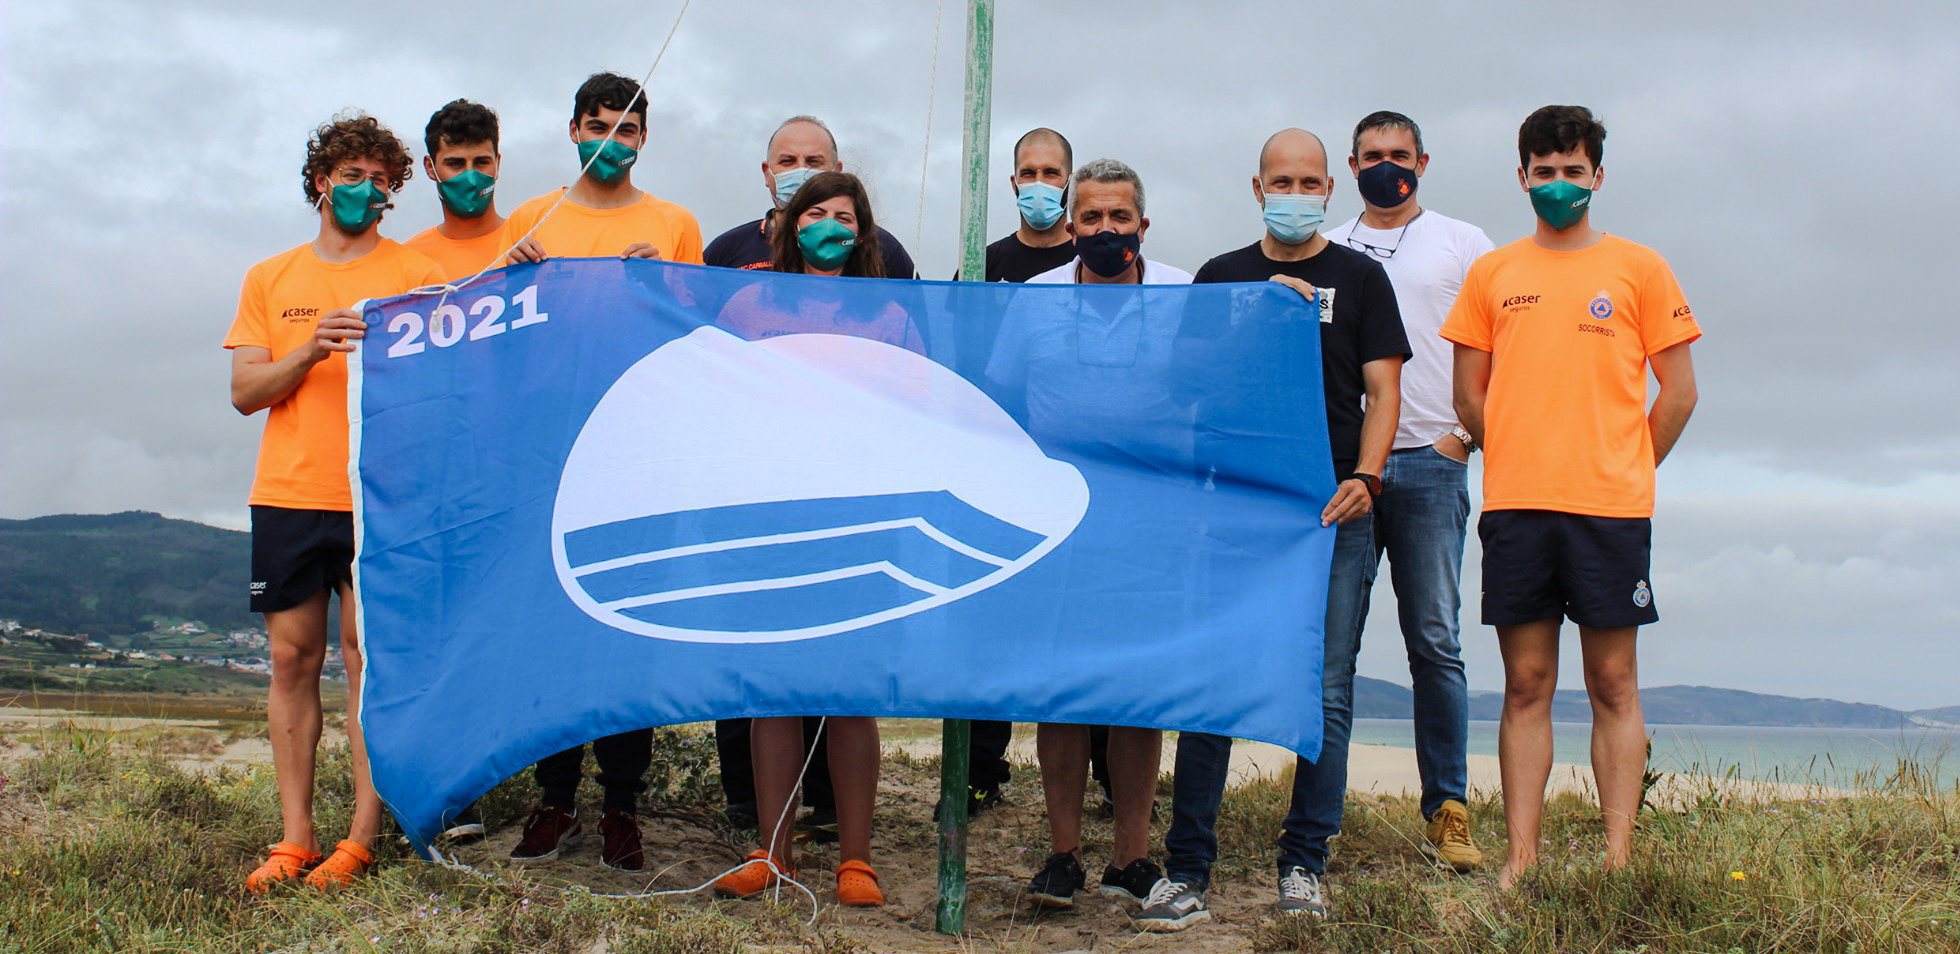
790	180
1040	204
357	207
1294	218
615	159
467	193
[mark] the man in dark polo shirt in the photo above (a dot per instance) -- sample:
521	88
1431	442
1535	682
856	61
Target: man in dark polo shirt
800	148
1363	346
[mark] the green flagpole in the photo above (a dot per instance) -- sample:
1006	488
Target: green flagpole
958	740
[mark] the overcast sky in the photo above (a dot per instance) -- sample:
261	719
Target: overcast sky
1788	159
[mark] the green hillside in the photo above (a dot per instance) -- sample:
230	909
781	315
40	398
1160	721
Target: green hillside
112	574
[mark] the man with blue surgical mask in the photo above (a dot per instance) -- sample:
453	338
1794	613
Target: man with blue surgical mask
1422	518
1042	160
800	148
1362	346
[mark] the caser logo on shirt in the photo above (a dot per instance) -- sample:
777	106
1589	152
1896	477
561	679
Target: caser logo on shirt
297	314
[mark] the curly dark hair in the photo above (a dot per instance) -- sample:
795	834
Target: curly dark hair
867	259
1551	129
609	91
355	137
460	123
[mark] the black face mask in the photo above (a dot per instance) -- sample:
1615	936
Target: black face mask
1386	185
1108	254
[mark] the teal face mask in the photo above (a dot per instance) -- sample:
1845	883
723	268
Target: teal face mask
826	243
1561	204
357	207
790	180
615	159
467	193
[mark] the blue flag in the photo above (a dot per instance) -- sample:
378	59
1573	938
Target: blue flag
596	495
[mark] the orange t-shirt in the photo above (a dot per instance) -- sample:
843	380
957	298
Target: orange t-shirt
459	258
1569	332
303	456
576	231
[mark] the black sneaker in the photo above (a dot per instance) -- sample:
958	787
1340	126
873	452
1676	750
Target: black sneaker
978	800
1055	885
1132	883
1171	906
741	815
1300	892
820	824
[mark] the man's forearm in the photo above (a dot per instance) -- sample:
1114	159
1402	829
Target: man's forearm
256	386
1667	418
1377	433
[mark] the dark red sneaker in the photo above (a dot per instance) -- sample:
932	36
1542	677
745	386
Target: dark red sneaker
619	834
547	830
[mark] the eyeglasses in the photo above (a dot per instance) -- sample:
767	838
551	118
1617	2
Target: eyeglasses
1376	250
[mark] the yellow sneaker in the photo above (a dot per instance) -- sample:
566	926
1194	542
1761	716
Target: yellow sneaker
1447	842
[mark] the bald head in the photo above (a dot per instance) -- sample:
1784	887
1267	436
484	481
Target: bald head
807	138
1291	147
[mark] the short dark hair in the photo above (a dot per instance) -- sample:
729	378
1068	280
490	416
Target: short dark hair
609	91
867	259
1384	119
355	137
1039	132
460	123
1552	129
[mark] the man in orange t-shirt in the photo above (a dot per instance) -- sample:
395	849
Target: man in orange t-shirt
600	215
603	213
463	162
289	347
1554	336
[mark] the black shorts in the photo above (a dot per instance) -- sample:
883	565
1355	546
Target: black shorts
1544	564
297	553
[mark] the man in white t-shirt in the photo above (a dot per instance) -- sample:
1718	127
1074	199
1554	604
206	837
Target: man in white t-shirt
1425	502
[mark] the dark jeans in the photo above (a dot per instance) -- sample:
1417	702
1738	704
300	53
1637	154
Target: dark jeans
623	761
986	765
1204	761
738	764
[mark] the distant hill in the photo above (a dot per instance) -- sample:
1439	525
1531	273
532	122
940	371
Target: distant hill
1673	705
109	574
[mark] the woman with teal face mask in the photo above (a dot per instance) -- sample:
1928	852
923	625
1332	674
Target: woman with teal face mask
826	230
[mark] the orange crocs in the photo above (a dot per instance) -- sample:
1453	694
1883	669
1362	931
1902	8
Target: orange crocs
348	861
754	877
857	886
284	861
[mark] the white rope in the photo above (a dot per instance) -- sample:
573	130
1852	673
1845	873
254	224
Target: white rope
448	288
782	877
925	157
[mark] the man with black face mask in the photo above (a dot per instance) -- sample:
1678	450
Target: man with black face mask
1425	506
1056	398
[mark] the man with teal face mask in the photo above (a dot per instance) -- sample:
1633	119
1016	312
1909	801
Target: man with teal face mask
1554	337
801	147
463	162
603	213
289	344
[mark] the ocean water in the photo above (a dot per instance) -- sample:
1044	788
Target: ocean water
1834	757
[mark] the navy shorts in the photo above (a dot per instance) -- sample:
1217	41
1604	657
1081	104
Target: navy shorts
1544	564
297	553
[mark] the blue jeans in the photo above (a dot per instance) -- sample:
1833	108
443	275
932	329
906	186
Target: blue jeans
1204	761
1420	521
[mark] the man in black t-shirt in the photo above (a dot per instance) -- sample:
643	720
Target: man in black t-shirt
800	148
1043	160
1362	346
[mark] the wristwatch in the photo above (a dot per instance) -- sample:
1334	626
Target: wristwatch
1469	443
1371	481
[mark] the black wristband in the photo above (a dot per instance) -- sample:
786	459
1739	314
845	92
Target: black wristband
1370	481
